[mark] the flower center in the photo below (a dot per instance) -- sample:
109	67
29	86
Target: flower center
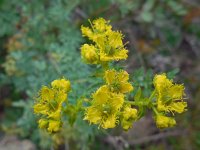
106	109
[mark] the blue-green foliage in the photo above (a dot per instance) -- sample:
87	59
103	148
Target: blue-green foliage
51	42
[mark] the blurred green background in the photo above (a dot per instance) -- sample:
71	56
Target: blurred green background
40	41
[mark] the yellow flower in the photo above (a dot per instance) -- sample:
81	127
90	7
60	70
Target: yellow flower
113	54
61	84
108	44
103	96
101	25
98	26
40	109
55	115
164	122
46	93
104	108
129	115
113	48
49	104
89	54
169	95
110	122
54	126
60	96
97	37
161	82
98	32
93	114
86	31
118	81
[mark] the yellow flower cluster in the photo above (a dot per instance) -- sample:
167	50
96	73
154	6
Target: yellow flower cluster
169	99
107	44
108	100
107	106
49	104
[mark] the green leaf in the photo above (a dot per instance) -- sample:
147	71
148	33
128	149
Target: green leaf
19	103
141	111
173	73
146	16
148	5
138	94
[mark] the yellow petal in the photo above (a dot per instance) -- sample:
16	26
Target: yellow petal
116	100
46	93
178	107
161	106
99	40
110	122
176	91
121	54
61	84
55	115
117	55
93	115
123	76
161	82
86	31
40	109
115	39
61	96
101	25
110	76
101	96
126	87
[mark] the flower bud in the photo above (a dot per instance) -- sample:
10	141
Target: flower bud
164	121
89	54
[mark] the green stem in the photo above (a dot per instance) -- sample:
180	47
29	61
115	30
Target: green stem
155	111
91	24
152	95
137	103
131	102
148	103
105	66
